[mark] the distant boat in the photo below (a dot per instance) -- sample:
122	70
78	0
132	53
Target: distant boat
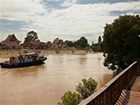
24	60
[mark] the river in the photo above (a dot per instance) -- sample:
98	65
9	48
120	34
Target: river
46	84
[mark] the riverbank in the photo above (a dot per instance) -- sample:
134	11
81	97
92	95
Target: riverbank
8	53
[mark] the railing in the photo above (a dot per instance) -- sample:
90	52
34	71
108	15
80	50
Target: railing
109	94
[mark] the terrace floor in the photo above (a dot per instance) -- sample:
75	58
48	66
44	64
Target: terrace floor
134	94
130	97
136	85
134	98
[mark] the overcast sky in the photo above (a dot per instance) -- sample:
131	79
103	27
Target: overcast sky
66	19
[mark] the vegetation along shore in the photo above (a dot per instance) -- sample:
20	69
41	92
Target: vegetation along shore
32	42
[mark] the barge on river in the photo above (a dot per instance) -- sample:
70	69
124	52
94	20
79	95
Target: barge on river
23	60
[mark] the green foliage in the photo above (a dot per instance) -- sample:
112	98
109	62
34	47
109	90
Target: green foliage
81	43
86	88
70	98
31	36
70	44
121	42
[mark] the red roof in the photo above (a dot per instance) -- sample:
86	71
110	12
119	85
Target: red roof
11	38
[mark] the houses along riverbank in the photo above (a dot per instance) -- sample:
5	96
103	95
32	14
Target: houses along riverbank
32	41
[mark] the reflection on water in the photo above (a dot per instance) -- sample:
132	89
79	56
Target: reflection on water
104	79
45	84
26	71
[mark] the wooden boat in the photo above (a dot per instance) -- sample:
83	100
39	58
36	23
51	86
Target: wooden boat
24	60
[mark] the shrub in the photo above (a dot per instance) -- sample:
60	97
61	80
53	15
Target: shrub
86	88
70	98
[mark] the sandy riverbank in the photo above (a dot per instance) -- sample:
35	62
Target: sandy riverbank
8	53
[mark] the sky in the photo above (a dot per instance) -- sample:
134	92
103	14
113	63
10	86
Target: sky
65	19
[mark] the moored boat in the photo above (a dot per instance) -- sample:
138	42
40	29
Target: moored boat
24	60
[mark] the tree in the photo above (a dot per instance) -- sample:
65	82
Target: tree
86	88
69	43
70	98
32	35
121	42
81	43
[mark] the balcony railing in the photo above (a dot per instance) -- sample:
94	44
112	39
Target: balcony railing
109	94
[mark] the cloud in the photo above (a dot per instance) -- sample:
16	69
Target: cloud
22	10
8	25
81	19
68	3
76	20
103	1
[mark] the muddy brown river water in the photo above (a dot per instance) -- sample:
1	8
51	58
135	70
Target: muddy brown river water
46	84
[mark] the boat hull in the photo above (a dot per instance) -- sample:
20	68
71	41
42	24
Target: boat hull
25	64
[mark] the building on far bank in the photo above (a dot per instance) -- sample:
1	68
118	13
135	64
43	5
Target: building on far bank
57	43
34	44
2	46
97	46
10	42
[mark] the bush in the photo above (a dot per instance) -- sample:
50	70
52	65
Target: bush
86	88
70	98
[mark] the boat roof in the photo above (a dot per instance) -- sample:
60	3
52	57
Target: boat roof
32	53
